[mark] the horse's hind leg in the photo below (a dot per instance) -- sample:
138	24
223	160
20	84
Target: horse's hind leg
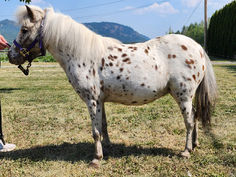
184	99
195	132
106	139
186	108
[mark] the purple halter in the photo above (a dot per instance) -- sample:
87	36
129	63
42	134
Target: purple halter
25	52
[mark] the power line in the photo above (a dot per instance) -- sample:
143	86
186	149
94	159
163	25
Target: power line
100	5
81	8
194	10
119	11
92	6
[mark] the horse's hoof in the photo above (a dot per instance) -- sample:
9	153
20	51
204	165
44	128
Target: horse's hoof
94	164
185	154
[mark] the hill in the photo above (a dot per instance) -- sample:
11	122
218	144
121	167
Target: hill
117	31
125	34
9	29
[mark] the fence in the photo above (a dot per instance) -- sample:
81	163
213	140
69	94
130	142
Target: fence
3	56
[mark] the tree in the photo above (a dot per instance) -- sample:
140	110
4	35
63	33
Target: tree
221	41
194	31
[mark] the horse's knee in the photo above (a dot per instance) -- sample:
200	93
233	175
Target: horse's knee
96	135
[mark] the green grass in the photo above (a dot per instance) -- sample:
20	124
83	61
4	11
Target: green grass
51	127
47	58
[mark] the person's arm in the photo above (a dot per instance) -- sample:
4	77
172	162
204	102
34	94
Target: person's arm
3	43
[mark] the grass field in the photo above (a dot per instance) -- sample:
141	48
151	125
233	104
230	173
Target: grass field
51	127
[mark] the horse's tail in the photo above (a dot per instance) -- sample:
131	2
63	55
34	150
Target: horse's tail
206	94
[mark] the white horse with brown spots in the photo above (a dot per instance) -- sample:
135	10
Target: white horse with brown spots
102	69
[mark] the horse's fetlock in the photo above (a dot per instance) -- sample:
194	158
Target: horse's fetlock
98	157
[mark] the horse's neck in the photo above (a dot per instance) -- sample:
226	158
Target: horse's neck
58	56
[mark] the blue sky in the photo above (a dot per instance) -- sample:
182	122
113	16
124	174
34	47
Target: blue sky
149	17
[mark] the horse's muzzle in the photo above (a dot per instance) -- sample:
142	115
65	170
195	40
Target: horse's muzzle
15	58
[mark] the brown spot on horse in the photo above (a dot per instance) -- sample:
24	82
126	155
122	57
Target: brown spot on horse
124	55
146	51
156	67
118	77
184	47
126	60
93	72
103	62
189	62
110	57
201	54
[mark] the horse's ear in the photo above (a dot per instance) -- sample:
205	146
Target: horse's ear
30	13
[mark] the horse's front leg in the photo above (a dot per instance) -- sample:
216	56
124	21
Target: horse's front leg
95	111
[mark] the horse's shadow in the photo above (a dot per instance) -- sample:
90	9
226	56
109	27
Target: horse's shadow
81	152
8	90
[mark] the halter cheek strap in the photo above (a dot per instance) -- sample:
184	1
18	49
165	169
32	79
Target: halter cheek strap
25	52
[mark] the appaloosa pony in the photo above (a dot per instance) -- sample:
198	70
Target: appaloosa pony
102	69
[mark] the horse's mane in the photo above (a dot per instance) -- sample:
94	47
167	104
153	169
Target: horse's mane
68	35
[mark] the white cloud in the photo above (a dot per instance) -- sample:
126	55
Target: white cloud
190	3
38	2
163	9
218	4
128	8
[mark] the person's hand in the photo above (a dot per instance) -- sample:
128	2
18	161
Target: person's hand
3	43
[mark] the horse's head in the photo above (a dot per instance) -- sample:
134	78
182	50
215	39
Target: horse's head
27	45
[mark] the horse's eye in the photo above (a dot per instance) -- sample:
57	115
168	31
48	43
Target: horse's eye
24	30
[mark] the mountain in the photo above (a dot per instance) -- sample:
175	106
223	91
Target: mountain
9	30
125	34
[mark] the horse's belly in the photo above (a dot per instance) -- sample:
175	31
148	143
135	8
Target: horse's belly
136	98
135	92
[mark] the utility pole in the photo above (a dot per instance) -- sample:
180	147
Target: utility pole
205	25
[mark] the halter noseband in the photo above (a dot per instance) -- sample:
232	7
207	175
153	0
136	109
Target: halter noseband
25	52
